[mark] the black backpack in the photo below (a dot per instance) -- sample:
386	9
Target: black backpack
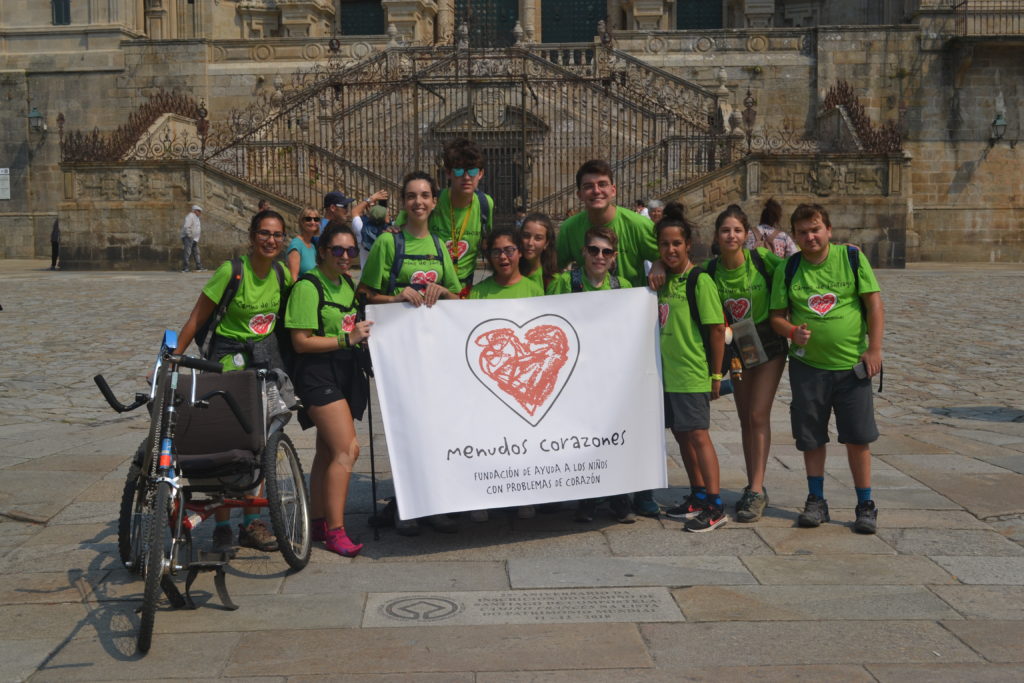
705	336
576	280
360	352
755	258
401	256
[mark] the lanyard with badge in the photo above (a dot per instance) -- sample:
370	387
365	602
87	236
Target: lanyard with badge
453	245
744	331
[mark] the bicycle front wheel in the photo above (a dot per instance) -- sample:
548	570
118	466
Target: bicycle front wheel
130	522
288	500
154	560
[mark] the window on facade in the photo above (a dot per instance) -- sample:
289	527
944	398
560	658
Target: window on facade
490	21
698	14
361	18
61	12
571	21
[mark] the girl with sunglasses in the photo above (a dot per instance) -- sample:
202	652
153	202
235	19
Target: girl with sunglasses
301	252
501	249
538	256
324	328
599	250
243	338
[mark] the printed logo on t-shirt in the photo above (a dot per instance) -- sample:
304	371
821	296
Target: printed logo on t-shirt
423	277
457	253
822	303
349	323
739	308
662	314
261	323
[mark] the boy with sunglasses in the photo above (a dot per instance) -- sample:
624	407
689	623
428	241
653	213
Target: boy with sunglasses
464	213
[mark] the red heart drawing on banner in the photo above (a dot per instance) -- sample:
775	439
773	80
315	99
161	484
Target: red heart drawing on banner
662	314
261	323
423	277
463	248
348	323
738	307
526	366
822	303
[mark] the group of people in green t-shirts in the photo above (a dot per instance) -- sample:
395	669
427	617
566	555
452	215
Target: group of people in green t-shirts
824	300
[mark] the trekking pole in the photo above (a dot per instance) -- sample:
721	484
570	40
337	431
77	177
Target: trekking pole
367	368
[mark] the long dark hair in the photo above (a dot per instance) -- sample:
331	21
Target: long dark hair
548	257
675	217
772	213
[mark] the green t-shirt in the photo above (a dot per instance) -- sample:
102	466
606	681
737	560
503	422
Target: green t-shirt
441	225
304	301
637	242
684	364
743	291
377	270
562	283
824	297
489	289
537	276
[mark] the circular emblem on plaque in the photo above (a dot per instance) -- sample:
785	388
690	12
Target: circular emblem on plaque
489	107
757	43
312	52
655	44
704	44
262	53
360	50
421	608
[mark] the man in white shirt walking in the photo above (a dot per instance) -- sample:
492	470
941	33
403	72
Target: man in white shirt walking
190	231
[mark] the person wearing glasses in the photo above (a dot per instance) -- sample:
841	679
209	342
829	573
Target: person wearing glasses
501	249
322	320
464	213
301	253
598	259
245	337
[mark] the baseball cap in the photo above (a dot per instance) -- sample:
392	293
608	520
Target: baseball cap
378	214
196	207
332	198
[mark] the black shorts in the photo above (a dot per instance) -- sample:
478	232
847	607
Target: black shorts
323	378
687	412
819	393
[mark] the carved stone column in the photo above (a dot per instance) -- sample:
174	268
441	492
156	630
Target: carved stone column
414	19
306	18
445	34
528	20
646	15
759	13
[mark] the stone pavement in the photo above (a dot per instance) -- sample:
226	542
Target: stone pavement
937	595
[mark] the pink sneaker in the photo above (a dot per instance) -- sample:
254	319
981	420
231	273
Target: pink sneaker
319	529
337	541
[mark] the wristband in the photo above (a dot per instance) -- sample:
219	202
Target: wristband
343	342
716	377
792	332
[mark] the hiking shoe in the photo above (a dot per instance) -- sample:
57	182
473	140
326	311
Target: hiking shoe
644	505
407	527
815	512
257	536
710	517
622	509
750	506
585	510
223	540
479	515
443	524
337	541
688	509
526	512
867	518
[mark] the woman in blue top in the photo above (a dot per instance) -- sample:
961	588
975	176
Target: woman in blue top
322	318
301	253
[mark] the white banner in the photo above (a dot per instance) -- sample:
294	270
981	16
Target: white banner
496	403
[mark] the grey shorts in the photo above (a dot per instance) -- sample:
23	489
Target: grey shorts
687	412
819	393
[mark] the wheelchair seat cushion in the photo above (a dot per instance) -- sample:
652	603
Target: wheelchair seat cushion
221	464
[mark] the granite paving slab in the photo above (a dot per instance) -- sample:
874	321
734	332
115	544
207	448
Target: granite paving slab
759	674
949	542
681	646
946	673
48	587
996	641
39	621
82	534
1014	463
985	495
984	602
365	577
673	541
993	571
808	603
913	519
475	544
828	539
627	571
856	570
932	463
22	657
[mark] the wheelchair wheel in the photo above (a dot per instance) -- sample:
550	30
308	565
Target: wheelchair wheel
288	500
129	522
154	561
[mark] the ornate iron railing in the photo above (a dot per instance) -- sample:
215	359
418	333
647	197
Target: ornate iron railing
988	18
883	139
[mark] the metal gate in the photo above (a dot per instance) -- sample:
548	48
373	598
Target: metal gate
537	114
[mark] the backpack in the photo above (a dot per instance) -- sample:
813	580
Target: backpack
372	230
852	253
766	239
755	258
705	336
361	352
401	256
576	280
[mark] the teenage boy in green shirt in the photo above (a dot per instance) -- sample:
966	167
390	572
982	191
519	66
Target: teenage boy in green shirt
459	220
827	311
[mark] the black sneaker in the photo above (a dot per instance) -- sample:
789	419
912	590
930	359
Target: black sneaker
585	510
688	509
710	517
867	518
750	506
815	512
622	509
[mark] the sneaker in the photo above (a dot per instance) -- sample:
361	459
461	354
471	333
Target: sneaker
688	509
443	524
622	509
337	541
867	518
223	540
319	529
526	512
585	510
478	516
644	504
257	536
750	506
815	512
407	527
710	517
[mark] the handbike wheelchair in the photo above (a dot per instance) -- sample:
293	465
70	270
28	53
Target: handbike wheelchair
203	454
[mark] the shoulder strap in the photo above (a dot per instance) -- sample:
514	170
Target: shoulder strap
399	260
234	282
712	267
792	263
485	212
853	254
758	262
320	301
614	282
691	300
576	279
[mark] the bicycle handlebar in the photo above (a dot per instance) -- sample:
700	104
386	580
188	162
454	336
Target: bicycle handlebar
200	364
140	399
